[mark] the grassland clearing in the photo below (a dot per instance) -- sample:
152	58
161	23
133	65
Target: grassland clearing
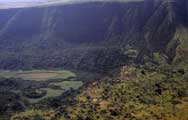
55	83
38	75
66	85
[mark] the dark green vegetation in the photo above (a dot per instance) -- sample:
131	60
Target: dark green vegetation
135	53
136	94
22	89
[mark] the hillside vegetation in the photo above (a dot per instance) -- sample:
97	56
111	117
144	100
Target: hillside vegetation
137	93
90	36
130	61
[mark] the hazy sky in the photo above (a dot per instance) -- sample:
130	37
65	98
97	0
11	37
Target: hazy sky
4	4
21	1
30	1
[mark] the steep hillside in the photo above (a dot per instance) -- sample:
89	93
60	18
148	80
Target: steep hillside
90	36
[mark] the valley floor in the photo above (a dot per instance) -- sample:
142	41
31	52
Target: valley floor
137	93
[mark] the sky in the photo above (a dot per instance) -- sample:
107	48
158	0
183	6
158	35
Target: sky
36	1
5	4
27	3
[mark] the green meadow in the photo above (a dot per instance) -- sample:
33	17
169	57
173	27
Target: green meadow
37	75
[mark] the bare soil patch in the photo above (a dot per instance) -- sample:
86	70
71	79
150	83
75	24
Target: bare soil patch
38	75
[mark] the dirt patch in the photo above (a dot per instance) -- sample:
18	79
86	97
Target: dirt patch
38	75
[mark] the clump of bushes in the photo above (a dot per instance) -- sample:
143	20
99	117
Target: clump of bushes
34	93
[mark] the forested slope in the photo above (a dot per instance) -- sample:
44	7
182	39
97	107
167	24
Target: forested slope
76	35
